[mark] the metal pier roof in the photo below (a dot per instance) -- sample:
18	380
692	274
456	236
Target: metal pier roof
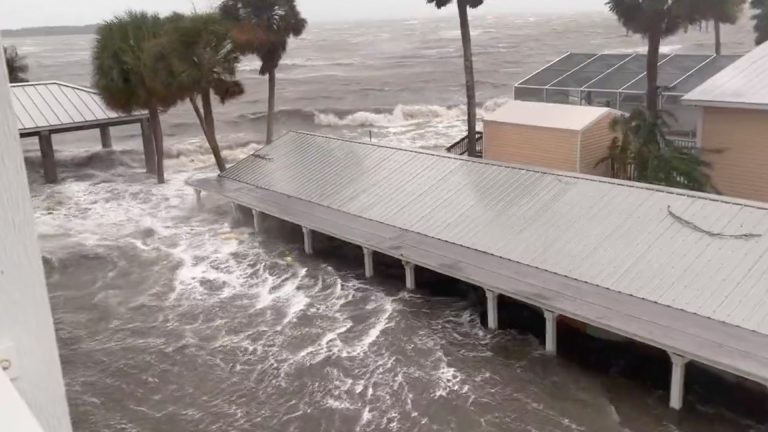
684	271
58	107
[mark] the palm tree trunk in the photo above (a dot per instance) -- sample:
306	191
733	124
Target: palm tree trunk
210	130
157	134
652	73
718	40
469	75
271	106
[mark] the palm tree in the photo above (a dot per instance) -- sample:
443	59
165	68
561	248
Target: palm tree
654	20
202	61
469	68
642	152
127	74
263	27
16	65
721	12
761	20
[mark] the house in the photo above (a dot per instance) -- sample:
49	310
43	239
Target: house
555	136
733	125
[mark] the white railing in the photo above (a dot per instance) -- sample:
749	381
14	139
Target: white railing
15	415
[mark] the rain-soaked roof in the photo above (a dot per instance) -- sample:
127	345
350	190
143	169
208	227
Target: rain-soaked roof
678	73
684	271
58	106
741	85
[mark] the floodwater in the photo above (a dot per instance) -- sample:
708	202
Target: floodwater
171	320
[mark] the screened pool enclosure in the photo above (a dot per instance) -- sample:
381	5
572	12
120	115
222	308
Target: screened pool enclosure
619	81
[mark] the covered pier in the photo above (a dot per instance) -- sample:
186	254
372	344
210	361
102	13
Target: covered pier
684	272
44	109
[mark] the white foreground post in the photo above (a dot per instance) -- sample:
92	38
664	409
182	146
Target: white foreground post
256	221
551	335
493	309
308	249
368	257
28	348
410	275
199	198
677	387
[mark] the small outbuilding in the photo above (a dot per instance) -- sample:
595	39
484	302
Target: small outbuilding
733	125
555	136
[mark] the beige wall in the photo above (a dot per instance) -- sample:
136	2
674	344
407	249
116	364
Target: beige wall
741	170
530	145
595	141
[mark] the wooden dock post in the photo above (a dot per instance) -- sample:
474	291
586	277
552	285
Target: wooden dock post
49	160
150	159
410	275
199	199
308	248
551	333
256	221
368	258
677	385
493	309
106	137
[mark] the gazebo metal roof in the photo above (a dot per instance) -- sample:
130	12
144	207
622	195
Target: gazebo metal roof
57	107
625	73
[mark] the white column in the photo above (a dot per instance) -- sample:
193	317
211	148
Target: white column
368	256
551	335
677	387
410	275
199	198
308	249
493	309
256	221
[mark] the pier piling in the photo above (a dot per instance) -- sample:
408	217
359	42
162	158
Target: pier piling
368	257
410	275
49	160
256	221
677	386
308	248
493	309
106	137
551	332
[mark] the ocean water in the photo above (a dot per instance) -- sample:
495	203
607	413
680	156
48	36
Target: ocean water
171	319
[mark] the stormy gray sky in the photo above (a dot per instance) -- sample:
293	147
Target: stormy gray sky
28	13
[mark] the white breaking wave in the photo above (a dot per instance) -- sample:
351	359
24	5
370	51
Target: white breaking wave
405	115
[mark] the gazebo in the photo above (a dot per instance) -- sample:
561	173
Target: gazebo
51	107
618	81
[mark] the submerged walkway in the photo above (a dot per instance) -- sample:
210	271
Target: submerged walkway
683	272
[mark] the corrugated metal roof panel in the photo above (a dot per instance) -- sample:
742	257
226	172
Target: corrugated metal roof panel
699	253
56	105
742	84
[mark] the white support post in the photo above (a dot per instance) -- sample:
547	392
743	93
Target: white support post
368	257
551	332
199	198
256	221
677	386
308	248
410	275
493	309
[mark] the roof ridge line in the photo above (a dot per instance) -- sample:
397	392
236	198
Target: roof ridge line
604	180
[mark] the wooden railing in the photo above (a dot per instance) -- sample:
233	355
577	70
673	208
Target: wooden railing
460	146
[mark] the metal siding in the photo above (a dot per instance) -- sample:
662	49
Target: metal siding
618	236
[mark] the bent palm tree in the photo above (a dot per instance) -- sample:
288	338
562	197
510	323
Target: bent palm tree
469	68
203	61
16	65
126	75
642	152
263	27
654	20
721	12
